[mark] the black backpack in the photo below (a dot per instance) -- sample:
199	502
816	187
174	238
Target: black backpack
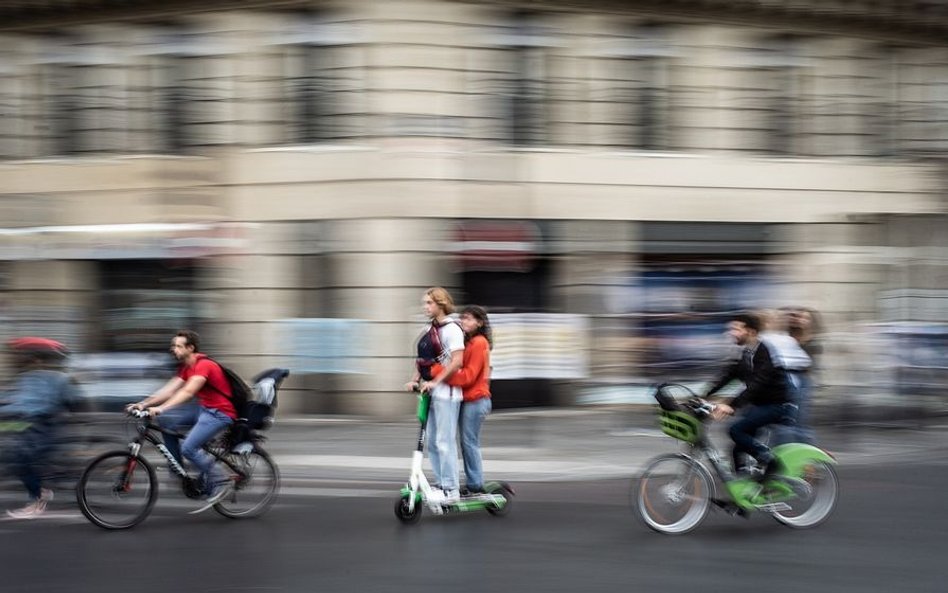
430	349
240	393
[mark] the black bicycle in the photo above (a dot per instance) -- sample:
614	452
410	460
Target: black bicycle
118	489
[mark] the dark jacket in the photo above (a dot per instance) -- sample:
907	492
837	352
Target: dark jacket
764	382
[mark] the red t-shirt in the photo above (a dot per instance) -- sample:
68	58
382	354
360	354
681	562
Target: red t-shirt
216	391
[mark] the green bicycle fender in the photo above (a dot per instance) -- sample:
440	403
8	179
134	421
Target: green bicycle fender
796	456
14	425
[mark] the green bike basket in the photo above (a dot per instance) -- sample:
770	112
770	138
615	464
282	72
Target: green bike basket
680	425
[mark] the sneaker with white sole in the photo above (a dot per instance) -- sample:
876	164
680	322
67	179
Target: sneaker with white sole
33	509
221	492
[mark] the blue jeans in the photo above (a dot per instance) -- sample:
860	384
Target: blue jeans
28	457
209	423
798	431
179	418
472	416
744	431
442	441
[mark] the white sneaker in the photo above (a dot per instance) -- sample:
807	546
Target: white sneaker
30	511
436	496
451	496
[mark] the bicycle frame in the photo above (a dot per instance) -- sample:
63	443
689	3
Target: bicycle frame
146	432
748	493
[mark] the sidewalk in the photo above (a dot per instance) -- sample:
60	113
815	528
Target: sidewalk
550	445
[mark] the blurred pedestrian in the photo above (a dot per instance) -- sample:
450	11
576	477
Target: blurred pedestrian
441	343
201	378
474	379
803	325
41	395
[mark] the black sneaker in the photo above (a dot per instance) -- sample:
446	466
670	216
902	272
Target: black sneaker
772	468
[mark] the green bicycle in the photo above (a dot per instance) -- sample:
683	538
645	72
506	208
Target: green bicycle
676	491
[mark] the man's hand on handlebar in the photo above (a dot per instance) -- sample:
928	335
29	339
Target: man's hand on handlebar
140	411
721	411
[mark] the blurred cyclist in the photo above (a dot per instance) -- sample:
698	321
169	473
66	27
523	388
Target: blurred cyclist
769	369
198	376
41	393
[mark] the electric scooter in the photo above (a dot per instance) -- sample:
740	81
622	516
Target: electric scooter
416	494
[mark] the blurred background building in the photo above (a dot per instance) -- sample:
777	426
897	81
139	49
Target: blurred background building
609	178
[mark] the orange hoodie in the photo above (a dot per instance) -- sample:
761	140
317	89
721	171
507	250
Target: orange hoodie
474	375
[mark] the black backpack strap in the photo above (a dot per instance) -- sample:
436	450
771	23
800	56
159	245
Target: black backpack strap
208	382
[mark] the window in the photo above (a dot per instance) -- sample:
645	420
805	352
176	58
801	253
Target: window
514	79
321	88
57	84
635	100
144	302
311	94
771	81
10	111
193	91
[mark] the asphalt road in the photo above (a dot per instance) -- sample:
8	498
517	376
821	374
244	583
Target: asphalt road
888	534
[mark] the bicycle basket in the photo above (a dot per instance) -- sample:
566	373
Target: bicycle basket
680	425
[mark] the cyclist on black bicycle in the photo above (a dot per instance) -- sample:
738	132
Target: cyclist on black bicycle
41	393
768	367
198	376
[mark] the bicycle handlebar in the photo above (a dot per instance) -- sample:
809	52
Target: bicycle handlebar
694	404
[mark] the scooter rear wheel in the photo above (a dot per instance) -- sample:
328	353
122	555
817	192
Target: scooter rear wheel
500	511
404	514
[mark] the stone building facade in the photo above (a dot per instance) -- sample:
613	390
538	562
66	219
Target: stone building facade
240	165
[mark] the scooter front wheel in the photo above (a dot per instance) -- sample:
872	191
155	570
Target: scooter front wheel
406	514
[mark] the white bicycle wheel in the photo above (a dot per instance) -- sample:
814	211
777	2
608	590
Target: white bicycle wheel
815	500
674	494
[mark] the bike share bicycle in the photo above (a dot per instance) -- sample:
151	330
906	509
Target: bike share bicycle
416	494
118	489
676	490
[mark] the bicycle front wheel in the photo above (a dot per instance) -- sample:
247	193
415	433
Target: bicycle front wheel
117	490
674	494
256	485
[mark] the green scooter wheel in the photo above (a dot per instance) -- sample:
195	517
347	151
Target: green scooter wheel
406	515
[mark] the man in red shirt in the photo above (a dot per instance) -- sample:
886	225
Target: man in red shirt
198	376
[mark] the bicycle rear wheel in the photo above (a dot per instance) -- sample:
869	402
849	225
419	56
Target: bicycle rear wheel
117	490
673	494
255	487
816	499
